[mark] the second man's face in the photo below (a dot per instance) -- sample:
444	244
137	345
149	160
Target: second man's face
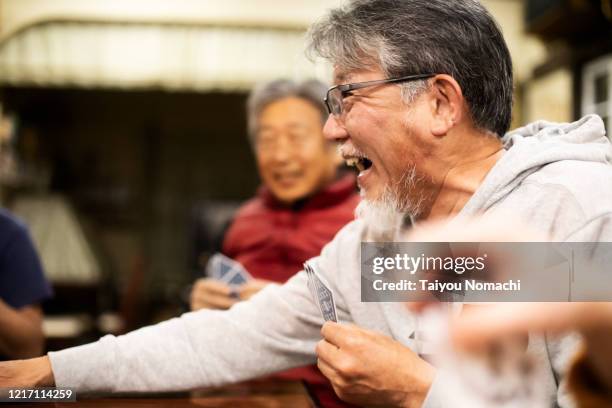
294	159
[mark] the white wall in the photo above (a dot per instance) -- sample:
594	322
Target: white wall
15	14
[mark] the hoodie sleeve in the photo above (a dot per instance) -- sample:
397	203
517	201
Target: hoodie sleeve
275	330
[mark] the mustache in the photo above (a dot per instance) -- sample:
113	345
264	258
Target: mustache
350	151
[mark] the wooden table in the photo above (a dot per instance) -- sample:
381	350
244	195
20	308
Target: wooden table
259	394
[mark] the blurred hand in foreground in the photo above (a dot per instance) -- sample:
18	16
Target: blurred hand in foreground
478	328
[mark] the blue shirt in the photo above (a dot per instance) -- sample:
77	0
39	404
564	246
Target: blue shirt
22	281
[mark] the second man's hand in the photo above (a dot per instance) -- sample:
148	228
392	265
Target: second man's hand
209	293
253	286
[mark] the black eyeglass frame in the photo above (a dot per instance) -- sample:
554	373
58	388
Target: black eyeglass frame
345	89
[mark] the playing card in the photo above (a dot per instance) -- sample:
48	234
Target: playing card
227	270
321	293
309	283
237	277
218	266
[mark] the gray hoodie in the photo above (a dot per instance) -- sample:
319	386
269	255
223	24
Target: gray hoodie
556	177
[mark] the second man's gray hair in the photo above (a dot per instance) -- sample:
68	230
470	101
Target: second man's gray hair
311	90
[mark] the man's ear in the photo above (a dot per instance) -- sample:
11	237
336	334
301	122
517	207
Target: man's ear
446	103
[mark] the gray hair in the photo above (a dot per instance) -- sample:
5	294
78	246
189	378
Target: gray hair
311	90
403	37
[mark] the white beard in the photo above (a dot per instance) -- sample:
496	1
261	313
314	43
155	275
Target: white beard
384	216
382	219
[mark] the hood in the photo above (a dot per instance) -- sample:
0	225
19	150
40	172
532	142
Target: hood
538	144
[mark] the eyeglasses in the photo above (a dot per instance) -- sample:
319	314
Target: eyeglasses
337	93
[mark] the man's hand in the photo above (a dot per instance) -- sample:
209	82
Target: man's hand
368	368
211	294
252	287
35	372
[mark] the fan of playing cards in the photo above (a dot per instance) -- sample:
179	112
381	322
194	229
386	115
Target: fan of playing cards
321	293
226	270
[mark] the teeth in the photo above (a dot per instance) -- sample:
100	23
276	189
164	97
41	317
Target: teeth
352	161
356	162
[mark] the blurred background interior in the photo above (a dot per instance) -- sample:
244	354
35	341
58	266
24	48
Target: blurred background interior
123	133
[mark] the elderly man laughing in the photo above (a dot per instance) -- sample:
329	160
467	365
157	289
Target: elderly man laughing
422	99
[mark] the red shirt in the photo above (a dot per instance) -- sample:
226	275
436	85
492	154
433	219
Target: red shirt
272	242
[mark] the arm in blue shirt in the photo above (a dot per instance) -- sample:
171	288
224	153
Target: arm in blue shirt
22	287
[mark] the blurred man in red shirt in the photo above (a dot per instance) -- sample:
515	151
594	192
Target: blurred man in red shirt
303	202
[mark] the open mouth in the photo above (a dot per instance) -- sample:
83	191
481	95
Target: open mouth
360	163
